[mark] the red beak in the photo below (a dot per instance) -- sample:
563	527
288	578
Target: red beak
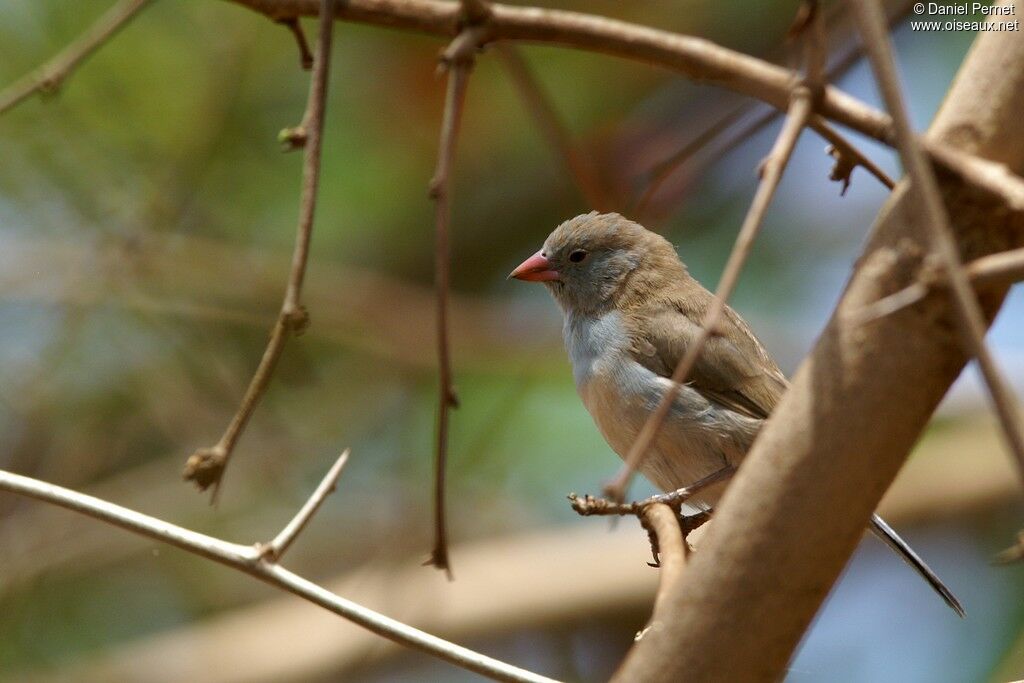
537	268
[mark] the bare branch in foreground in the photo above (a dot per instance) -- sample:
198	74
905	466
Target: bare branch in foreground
275	550
206	466
252	560
458	59
49	77
771	173
551	127
925	189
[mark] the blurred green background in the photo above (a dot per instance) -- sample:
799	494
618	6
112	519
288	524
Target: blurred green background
146	222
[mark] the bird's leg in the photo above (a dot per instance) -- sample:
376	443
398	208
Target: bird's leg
681	495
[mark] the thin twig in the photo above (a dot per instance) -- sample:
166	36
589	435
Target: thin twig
924	185
539	104
206	466
305	56
848	158
250	559
667	168
49	77
771	173
458	59
998	270
994	270
276	549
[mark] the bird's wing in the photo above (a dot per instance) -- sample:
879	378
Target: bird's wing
733	370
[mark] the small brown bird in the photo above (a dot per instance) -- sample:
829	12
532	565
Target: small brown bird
631	309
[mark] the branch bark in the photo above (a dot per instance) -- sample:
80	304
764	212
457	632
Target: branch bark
797	508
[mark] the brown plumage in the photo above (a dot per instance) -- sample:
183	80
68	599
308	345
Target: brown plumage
631	312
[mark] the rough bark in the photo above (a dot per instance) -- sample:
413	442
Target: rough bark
797	509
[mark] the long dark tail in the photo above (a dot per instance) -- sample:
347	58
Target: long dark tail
885	532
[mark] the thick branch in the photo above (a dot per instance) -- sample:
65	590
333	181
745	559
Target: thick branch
789	521
49	77
206	466
695	58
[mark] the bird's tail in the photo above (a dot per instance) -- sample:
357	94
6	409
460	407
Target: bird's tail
886	533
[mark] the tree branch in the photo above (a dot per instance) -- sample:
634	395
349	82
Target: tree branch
49	77
206	466
458	60
253	560
696	58
276	549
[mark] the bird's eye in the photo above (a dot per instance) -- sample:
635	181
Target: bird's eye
577	256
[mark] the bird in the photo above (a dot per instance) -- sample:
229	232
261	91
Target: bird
630	310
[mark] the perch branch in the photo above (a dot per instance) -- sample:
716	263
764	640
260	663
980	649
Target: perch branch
925	190
458	60
252	560
588	505
49	77
663	522
206	466
539	104
771	173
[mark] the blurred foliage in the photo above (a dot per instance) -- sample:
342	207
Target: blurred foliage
164	143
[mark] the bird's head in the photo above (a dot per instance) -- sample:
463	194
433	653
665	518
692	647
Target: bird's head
592	261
